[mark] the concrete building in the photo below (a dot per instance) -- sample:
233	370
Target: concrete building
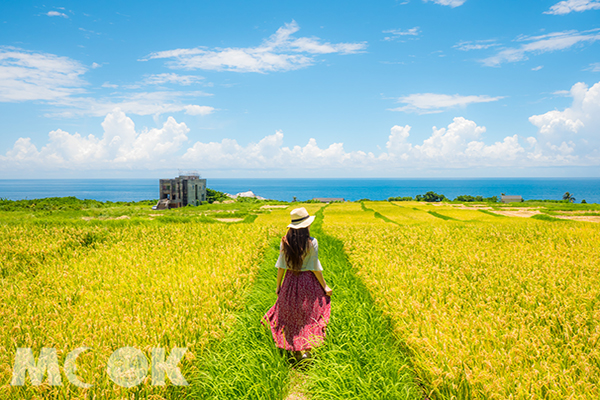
181	191
511	199
329	199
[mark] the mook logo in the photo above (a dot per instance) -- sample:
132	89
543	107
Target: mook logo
126	367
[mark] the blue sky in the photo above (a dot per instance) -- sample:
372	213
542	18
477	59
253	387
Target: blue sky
439	88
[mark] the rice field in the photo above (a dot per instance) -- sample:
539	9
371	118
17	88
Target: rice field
117	285
440	301
492	308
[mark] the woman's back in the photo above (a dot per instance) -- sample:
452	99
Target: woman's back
310	261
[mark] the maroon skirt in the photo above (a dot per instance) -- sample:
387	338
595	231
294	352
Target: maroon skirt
301	313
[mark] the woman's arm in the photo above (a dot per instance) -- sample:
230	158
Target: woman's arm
319	275
280	273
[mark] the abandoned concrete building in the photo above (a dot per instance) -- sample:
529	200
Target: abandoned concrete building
181	191
511	199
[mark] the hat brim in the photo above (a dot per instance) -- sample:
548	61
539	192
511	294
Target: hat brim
303	224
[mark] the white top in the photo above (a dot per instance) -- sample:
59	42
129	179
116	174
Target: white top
311	259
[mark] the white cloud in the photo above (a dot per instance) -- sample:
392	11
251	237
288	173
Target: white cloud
280	52
121	146
26	75
565	138
56	14
537	68
399	33
198	110
161	79
565	7
542	44
451	141
593	67
579	123
475	45
398	141
139	103
451	3
429	103
507	150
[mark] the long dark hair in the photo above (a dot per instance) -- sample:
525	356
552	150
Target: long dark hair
295	247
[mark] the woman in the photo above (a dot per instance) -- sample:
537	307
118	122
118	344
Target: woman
301	313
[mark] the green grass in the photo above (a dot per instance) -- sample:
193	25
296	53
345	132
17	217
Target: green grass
246	364
544	217
491	213
444	217
361	358
377	214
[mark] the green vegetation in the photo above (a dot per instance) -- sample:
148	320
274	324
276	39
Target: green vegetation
570	197
429	299
246	364
467	198
544	217
491	213
64	203
405	198
361	359
215	195
430	197
489	308
442	216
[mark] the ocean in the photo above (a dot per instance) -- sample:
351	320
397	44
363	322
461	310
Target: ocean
304	189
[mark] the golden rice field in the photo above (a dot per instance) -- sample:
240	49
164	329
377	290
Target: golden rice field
489	307
107	286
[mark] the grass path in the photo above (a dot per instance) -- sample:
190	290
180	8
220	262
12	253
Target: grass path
360	359
246	364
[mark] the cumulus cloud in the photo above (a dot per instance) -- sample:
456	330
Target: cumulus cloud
27	75
461	144
396	34
450	3
430	103
56	14
576	127
542	44
279	52
121	146
565	7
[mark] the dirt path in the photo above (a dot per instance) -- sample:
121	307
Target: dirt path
579	218
298	381
517	213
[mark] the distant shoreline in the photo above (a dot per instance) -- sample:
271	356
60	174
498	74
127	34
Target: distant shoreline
305	189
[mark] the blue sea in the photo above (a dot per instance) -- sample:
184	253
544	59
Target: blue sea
304	189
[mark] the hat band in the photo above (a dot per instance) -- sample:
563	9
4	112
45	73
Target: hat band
300	219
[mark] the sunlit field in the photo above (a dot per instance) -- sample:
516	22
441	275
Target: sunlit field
482	305
493	308
110	284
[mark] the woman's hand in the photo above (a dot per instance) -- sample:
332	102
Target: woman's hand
328	290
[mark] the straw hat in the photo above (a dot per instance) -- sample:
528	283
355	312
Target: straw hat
300	218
